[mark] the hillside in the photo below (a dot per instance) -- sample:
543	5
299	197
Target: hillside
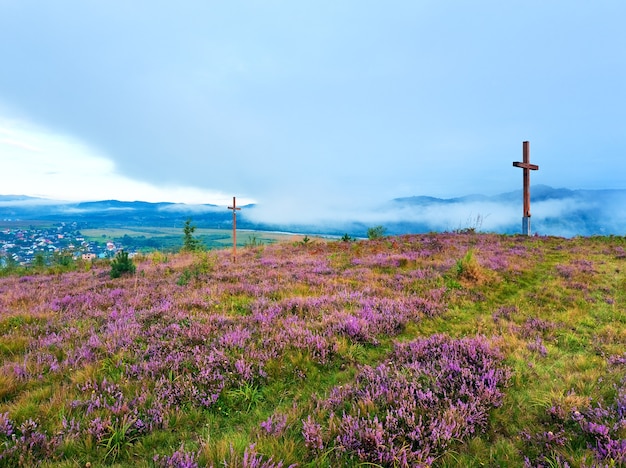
421	350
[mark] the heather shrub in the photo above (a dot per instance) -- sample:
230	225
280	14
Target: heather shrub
199	354
25	444
407	411
178	459
252	459
600	426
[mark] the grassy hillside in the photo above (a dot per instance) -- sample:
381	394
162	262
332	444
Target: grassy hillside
443	350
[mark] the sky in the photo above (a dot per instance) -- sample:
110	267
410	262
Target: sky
308	108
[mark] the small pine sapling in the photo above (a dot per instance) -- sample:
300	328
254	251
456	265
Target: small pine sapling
122	265
190	243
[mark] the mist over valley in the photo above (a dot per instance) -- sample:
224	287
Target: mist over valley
555	212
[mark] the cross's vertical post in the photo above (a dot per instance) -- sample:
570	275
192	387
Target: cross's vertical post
234	208
527	167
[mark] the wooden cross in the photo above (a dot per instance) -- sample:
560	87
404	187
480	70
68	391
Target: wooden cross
527	167
234	208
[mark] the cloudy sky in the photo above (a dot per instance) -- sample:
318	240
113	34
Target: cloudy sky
308	105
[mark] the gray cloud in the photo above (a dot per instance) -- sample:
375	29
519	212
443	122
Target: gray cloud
322	109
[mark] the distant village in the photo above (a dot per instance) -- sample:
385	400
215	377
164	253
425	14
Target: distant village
22	246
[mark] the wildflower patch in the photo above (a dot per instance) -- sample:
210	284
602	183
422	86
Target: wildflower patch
407	411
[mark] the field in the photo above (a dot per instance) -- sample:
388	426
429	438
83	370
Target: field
162	238
443	350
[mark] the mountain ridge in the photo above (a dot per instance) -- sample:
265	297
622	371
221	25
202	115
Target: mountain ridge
556	211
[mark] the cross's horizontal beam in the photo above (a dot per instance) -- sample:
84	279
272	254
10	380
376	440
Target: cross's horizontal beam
523	165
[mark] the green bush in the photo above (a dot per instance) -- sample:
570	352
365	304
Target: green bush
377	232
122	265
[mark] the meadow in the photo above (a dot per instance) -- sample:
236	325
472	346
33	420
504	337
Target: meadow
158	238
443	350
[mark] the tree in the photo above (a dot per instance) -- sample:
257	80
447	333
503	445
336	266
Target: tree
9	262
122	265
376	232
190	243
39	261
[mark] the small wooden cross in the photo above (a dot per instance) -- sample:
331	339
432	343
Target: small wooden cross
527	167
234	208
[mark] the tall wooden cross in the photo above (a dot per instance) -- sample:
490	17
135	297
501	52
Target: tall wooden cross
527	167
234	208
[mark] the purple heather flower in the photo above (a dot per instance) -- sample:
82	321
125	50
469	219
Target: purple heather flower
275	425
252	459
6	425
312	433
538	347
179	459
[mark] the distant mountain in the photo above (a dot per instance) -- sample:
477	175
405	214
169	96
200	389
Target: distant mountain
538	193
104	205
112	213
555	211
13	198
